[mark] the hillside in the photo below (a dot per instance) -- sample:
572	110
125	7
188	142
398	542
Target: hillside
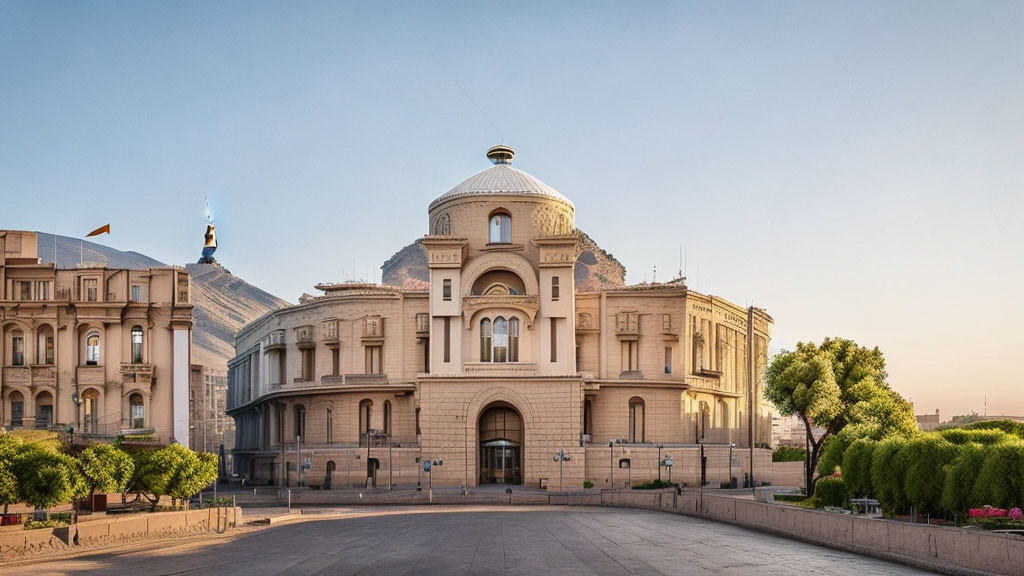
224	304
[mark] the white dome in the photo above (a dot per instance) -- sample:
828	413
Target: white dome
501	179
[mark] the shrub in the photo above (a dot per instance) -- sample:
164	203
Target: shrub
960	476
1008	426
1000	481
927	455
789	454
857	467
832	453
964	436
830	491
588	484
887	472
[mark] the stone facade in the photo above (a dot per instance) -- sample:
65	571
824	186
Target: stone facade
500	356
98	349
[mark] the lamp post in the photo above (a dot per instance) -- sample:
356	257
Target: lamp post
611	457
660	446
668	464
560	457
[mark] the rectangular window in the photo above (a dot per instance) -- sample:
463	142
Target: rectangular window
554	340
42	290
447	339
138	415
668	360
629	360
554	288
26	290
18	351
90	289
374	360
308	361
446	290
426	355
136	293
336	361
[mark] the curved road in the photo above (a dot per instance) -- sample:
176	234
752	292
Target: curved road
481	540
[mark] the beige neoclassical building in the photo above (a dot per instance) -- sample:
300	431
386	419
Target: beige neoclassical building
104	351
499	339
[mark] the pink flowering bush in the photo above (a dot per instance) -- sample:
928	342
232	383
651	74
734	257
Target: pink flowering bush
976	512
992	517
1015	514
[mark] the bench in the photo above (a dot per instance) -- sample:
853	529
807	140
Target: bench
870	506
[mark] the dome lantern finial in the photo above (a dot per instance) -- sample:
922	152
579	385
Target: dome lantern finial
501	154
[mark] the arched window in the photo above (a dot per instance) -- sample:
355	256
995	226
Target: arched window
300	420
387	417
44	351
330	426
365	413
500	228
17	409
723	412
17	348
91	409
636	420
92	349
513	340
500	353
485	340
138	411
137	345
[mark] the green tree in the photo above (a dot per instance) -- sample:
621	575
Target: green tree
10	448
47	478
927	456
1000	480
105	468
835	385
173	471
888	469
959	478
857	467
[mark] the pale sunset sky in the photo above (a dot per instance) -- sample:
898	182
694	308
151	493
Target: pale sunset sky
856	169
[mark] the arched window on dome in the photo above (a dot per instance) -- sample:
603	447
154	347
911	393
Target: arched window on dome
500	228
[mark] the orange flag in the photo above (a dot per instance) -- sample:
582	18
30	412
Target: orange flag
101	230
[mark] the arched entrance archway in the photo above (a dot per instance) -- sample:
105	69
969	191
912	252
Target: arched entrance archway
501	445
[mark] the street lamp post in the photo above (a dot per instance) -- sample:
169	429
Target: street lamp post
560	457
611	457
660	446
668	464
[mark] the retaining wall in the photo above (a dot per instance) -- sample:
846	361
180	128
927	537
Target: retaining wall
16	542
942	547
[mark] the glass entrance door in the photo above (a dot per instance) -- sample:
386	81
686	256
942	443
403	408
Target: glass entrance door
500	463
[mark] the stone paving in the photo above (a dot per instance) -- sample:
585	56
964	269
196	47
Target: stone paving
482	540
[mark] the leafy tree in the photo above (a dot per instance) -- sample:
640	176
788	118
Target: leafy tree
105	468
888	469
173	471
47	478
1008	426
835	385
789	454
927	455
857	467
832	492
10	448
1000	480
960	476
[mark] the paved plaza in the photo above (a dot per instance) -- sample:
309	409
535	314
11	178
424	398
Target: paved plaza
481	540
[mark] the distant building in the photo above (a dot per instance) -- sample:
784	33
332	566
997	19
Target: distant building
928	421
211	429
103	350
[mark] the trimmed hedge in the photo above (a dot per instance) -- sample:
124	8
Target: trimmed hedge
941	473
789	454
830	491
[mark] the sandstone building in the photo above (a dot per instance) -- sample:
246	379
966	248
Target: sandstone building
502	337
105	351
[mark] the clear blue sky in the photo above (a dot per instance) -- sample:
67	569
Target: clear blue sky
857	169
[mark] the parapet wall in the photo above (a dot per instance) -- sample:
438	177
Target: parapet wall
937	547
16	542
